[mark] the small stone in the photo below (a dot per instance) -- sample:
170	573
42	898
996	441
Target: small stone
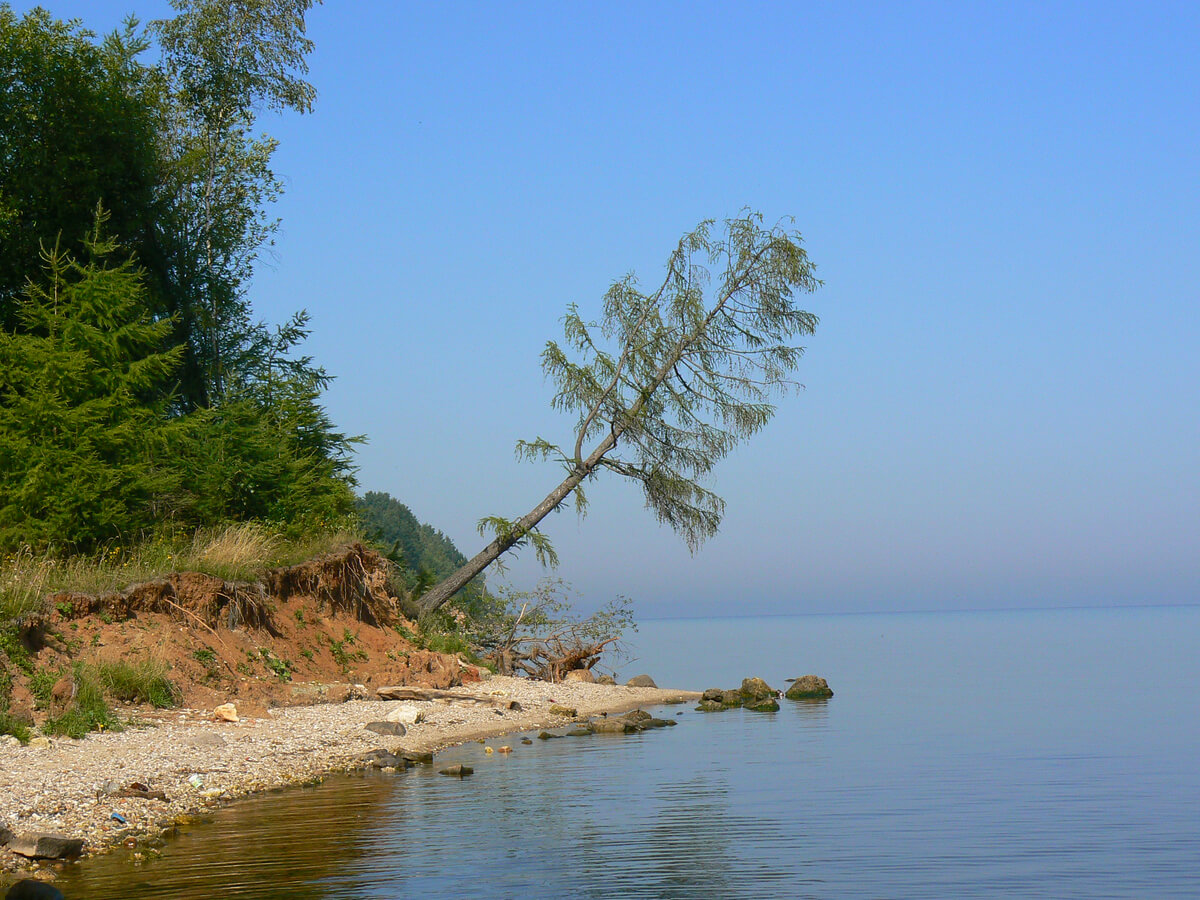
458	770
559	710
226	712
641	681
809	687
41	845
526	741
504	749
395	729
40	742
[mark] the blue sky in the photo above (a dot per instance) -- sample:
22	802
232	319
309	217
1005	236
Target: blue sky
1002	402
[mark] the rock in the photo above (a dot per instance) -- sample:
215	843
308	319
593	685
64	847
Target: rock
711	706
226	712
713	694
405	713
581	675
547	736
458	770
577	732
614	725
504	749
428	669
558	710
809	687
636	716
766	704
526	741
425	759
6	835
42	845
203	739
383	759
756	689
658	723
31	889
606	679
39	742
62	695
395	729
641	681
730	699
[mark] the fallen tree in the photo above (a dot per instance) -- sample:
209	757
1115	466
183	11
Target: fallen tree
668	382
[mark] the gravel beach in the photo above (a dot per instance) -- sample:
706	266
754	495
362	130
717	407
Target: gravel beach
69	787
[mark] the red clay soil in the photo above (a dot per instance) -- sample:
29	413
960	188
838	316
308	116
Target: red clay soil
304	634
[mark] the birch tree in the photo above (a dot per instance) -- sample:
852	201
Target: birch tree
668	381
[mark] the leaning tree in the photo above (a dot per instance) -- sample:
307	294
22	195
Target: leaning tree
668	382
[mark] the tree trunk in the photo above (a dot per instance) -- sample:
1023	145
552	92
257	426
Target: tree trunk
440	593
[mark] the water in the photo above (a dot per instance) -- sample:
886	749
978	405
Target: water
1015	754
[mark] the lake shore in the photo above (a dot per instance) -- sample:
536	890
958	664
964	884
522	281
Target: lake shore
198	762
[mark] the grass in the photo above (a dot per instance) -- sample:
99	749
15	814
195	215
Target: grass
90	710
143	682
240	552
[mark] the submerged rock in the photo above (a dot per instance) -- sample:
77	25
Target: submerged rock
32	889
809	687
766	704
711	706
547	736
458	770
614	725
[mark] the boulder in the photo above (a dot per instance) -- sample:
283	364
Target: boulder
383	759
713	694
615	725
641	681
809	687
559	710
731	699
42	845
766	704
711	706
458	770
606	679
32	889
637	715
756	689
583	676
425	759
394	729
404	713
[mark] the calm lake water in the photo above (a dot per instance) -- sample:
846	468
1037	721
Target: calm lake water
1009	754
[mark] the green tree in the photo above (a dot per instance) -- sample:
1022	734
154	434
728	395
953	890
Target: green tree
668	382
83	427
224	61
78	127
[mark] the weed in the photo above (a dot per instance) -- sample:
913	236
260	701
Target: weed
144	682
89	712
206	657
281	667
9	725
299	614
41	683
307	654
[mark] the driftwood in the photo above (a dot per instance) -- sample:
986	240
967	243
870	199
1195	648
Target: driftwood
429	695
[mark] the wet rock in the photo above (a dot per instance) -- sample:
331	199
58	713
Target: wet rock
547	736
576	732
711	706
458	770
658	723
583	676
31	889
756	689
383	759
395	729
637	715
713	694
731	699
615	725
42	845
559	710
766	704
526	741
424	759
606	679
641	681
809	687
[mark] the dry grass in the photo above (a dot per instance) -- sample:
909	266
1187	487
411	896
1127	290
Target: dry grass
239	552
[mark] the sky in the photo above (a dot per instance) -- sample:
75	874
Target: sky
1002	400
